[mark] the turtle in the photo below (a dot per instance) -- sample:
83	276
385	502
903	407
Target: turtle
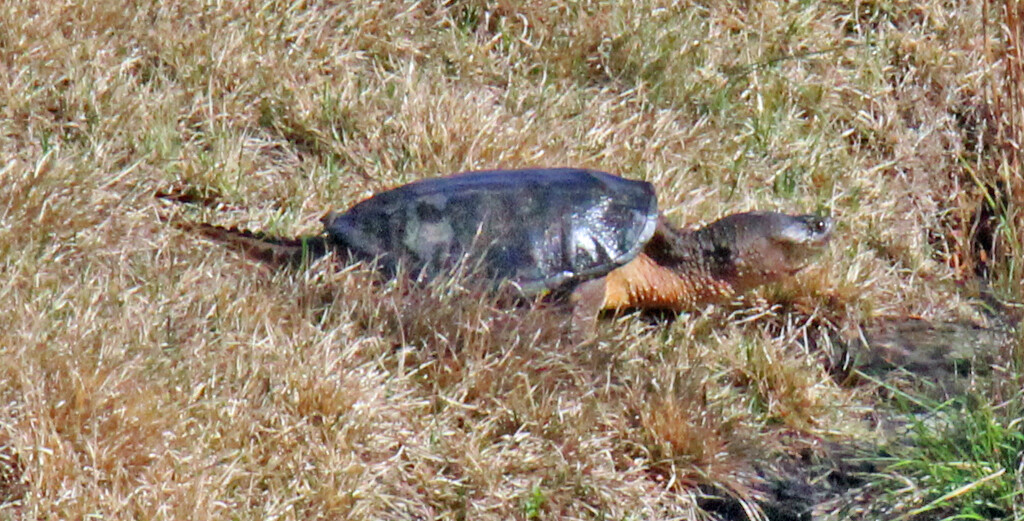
597	238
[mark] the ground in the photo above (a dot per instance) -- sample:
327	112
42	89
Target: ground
148	374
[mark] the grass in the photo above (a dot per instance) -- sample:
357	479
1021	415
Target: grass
960	461
146	374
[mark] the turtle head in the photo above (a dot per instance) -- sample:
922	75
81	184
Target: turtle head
800	238
758	248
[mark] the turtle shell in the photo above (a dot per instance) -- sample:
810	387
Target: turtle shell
542	229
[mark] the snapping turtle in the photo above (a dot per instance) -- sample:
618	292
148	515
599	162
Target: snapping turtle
595	235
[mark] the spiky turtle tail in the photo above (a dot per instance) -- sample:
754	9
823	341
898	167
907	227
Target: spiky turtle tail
258	246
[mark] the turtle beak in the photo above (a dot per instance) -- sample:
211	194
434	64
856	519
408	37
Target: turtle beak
805	239
809	231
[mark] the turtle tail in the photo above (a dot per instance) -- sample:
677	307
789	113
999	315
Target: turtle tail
261	247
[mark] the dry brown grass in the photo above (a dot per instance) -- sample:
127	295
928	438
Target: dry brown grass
145	374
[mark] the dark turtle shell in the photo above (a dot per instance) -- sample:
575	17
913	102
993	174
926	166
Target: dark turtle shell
540	228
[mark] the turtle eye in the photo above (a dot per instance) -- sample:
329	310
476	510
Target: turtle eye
819	225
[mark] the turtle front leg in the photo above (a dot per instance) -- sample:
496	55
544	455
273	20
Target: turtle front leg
587	302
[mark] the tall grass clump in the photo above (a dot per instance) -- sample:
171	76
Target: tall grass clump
997	223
